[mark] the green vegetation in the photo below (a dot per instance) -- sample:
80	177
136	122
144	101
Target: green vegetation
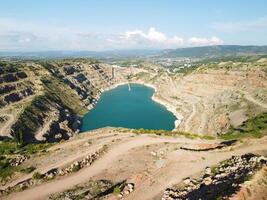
6	170
11	147
188	70
216	51
116	190
31	118
29	121
255	127
28	170
172	133
76	168
59	92
37	175
10	67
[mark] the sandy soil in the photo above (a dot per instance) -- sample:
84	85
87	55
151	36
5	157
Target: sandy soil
151	162
203	100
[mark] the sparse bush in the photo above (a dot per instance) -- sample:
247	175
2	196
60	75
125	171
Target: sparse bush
116	190
28	170
37	175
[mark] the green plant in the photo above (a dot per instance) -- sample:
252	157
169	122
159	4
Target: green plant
255	127
37	175
117	190
76	168
28	170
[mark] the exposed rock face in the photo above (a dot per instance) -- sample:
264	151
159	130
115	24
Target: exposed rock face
69	70
80	78
222	181
17	96
7	89
13	97
10	78
204	98
21	75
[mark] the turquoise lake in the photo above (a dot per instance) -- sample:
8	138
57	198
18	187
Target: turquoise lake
120	107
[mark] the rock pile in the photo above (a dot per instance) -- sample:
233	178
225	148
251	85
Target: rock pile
222	181
76	166
18	160
87	161
92	189
129	187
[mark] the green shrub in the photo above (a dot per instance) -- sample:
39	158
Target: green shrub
172	133
28	170
37	175
255	127
117	190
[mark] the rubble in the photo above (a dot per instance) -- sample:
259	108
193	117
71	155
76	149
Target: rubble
222	181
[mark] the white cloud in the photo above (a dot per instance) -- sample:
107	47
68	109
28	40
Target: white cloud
195	41
238	26
154	38
20	35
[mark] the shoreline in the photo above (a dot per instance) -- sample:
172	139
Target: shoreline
169	107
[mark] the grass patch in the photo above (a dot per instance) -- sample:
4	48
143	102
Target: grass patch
10	147
28	170
255	127
6	170
172	133
37	175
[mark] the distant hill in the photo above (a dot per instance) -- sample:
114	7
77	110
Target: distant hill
215	51
193	52
133	53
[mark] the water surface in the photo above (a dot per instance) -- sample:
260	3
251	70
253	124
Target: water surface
120	107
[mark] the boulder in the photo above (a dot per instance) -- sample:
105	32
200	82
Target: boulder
207	181
207	170
262	159
187	181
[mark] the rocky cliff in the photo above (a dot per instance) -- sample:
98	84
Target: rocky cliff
44	100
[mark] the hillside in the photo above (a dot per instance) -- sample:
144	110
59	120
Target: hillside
218	144
45	100
215	51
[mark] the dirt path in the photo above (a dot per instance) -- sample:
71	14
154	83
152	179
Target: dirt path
46	127
189	119
250	98
184	164
71	158
42	191
178	164
5	130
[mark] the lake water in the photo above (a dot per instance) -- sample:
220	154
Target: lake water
120	107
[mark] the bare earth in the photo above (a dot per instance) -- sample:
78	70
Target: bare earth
151	162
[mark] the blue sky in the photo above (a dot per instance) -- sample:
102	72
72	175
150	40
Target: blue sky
30	25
